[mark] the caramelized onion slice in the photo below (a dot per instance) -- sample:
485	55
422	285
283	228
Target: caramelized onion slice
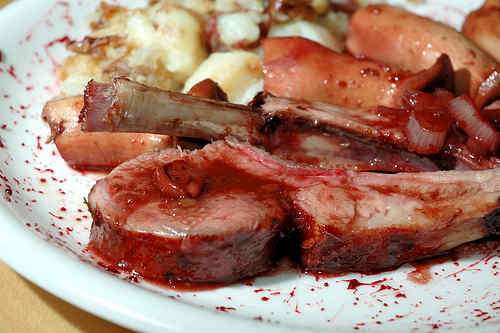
492	113
208	89
429	121
470	120
422	140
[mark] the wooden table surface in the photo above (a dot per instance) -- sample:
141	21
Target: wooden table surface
29	309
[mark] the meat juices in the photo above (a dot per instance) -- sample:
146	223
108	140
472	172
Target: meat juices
165	215
379	221
208	89
185	217
408	41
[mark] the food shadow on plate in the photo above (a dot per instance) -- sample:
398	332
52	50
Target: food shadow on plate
450	264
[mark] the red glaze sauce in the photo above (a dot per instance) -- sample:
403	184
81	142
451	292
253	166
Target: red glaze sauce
186	286
65	40
134	277
421	275
324	275
430	111
224	308
217	177
180	186
353	284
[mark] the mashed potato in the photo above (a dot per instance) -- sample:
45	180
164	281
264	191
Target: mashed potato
162	46
165	44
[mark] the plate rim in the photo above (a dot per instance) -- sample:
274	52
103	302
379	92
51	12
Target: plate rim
111	298
62	275
30	256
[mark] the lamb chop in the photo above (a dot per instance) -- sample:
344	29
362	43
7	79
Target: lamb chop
218	214
385	136
282	126
95	150
374	221
186	217
104	150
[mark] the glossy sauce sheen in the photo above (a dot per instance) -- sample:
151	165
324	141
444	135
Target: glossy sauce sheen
422	272
341	151
474	294
302	69
430	111
376	32
224	204
196	244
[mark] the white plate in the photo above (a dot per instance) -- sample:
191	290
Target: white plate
46	244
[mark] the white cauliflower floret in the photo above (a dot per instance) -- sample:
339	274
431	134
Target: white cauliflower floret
239	27
77	72
160	45
307	30
173	36
238	73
